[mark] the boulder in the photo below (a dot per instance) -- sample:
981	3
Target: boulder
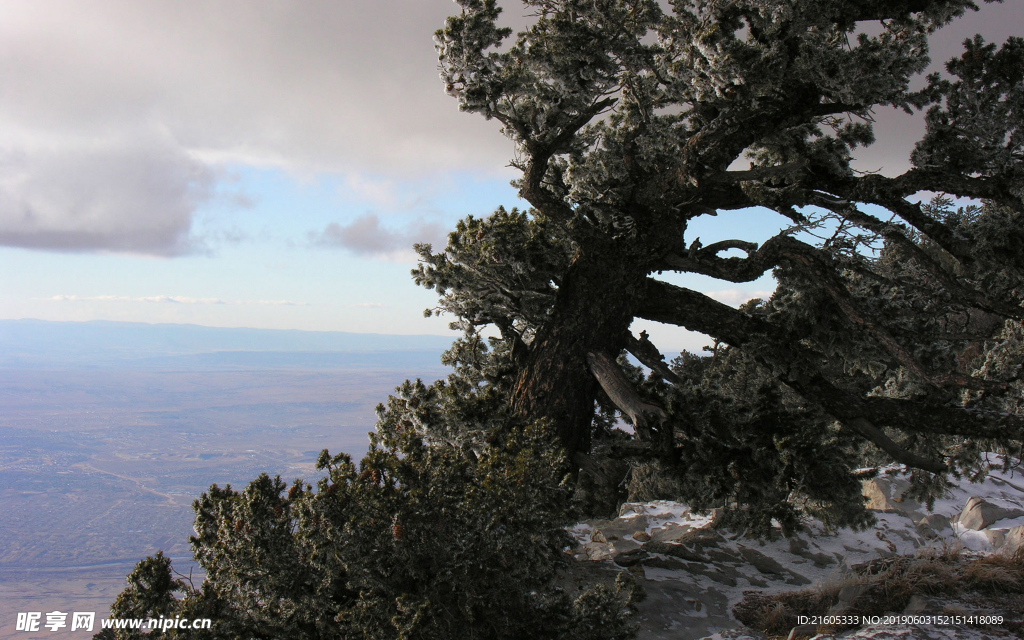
632	508
1014	539
935	521
996	537
885	494
621	528
670	533
979	514
846	597
876	492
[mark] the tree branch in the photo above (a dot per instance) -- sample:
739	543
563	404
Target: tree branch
645	351
760	173
891	193
697	312
614	382
870	432
706	261
541	152
964	294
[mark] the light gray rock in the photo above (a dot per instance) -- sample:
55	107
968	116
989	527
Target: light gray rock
996	537
935	521
632	507
1014	539
621	528
979	514
670	533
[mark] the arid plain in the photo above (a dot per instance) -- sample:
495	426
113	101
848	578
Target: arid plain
99	466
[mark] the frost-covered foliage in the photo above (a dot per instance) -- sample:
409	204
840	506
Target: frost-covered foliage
894	334
514	261
417	542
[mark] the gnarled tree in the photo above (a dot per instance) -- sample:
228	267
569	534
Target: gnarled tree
894	334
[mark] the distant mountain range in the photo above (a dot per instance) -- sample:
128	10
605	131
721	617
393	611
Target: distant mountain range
102	344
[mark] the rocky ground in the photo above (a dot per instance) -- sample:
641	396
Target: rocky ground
695	575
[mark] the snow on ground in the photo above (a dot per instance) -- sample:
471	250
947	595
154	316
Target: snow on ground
694	574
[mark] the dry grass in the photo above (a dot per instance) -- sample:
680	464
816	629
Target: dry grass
889	586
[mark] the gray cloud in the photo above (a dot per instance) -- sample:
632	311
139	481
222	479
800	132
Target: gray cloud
366	236
307	87
318	85
137	197
314	86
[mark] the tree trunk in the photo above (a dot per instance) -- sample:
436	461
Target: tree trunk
592	312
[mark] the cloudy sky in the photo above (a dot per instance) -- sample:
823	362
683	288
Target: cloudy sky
256	163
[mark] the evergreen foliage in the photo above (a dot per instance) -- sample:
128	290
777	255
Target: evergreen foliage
894	336
418	542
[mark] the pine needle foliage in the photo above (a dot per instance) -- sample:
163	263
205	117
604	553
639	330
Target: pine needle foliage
417	541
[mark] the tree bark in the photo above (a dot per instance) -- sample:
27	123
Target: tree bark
592	313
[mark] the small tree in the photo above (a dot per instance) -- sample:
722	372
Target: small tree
881	342
419	542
